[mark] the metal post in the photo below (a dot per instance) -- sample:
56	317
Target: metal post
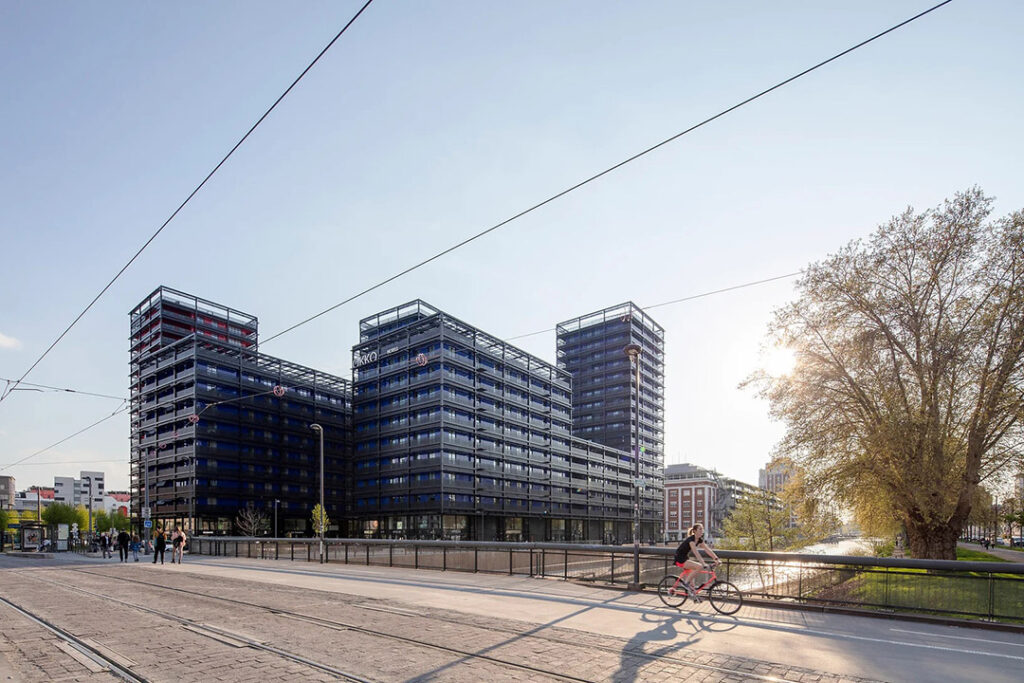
323	511
90	507
633	352
276	501
149	529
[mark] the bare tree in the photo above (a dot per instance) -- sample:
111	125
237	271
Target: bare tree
908	384
252	521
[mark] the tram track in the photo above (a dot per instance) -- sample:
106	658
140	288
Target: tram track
228	635
85	649
745	673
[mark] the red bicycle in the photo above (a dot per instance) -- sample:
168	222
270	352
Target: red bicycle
723	596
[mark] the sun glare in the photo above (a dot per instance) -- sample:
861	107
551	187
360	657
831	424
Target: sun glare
778	360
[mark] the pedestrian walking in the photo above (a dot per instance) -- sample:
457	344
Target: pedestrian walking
178	540
160	546
123	541
136	546
105	545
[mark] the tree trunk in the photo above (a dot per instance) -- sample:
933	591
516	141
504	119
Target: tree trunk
932	542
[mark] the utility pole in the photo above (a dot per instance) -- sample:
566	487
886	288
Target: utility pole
323	511
90	504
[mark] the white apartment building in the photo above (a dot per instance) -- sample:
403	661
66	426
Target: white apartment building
71	491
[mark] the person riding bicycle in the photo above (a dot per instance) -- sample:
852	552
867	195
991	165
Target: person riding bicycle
688	555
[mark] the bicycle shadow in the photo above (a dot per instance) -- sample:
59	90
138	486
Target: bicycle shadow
679	631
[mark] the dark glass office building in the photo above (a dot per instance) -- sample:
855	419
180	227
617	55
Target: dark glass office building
460	435
604	407
217	426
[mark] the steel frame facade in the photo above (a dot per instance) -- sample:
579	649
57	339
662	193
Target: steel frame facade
459	434
604	404
191	357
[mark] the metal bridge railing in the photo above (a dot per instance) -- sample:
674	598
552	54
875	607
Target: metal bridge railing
975	590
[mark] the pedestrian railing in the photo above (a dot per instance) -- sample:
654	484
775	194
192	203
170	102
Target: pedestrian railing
974	590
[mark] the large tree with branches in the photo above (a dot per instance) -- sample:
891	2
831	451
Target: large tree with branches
907	389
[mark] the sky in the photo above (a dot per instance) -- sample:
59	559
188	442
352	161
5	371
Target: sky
428	122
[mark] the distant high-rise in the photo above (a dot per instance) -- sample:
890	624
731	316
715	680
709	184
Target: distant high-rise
775	476
590	348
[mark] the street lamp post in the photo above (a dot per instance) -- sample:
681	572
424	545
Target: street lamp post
632	351
323	511
90	505
276	501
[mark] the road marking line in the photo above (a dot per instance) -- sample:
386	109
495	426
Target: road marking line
940	635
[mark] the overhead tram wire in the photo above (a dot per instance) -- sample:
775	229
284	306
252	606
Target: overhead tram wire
64	462
522	213
298	386
679	301
127	407
61	389
7	391
605	172
66	438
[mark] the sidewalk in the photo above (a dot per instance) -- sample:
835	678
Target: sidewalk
1002	553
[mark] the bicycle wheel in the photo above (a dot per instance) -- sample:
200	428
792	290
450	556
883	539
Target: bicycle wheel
725	597
669	594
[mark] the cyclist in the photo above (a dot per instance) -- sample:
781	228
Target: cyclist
688	555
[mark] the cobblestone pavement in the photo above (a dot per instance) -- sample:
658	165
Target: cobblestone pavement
379	640
30	653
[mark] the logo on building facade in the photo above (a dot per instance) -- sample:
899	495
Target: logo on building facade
361	359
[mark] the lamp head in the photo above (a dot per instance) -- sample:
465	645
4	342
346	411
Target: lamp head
633	351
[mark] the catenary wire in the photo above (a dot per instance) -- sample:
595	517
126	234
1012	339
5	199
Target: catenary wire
9	389
66	438
69	391
304	386
482	233
68	462
679	301
605	172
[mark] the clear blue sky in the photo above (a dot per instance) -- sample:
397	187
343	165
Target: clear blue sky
429	121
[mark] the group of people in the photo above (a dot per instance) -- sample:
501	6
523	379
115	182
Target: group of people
178	542
126	542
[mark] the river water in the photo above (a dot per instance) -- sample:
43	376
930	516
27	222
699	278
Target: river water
846	546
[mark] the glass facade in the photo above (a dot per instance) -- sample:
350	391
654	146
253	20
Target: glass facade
460	435
604	400
251	444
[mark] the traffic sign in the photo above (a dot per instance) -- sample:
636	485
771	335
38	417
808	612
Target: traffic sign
148	524
145	513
